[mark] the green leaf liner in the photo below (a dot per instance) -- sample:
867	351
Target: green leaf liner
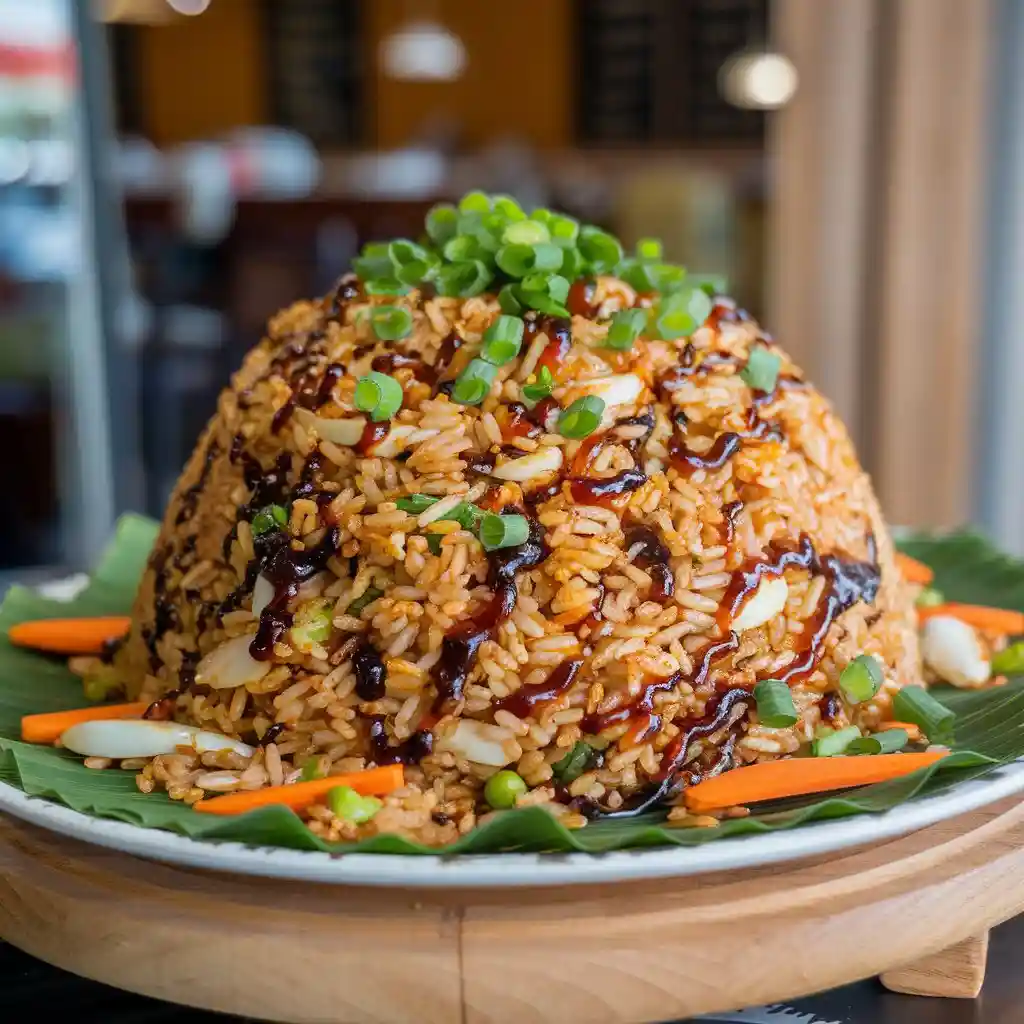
990	731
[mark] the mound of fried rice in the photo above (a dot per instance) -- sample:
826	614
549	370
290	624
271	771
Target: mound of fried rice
651	650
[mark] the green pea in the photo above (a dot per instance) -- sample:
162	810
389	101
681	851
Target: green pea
503	789
347	804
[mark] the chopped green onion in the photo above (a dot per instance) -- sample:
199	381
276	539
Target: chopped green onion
503	789
681	313
540	388
582	418
434	542
775	707
508	208
518	260
508	301
648	249
627	325
385	286
637	275
475	202
463	279
601	250
311	769
888	742
564	230
462	247
761	372
915	704
861	679
101	686
270	517
572	264
1009	661
368	596
401	251
390	323
575	763
929	597
347	804
503	531
669	278
378	395
474	383
502	340
416	504
466	514
442	221
526	232
710	284
373	262
834	742
541	214
312	625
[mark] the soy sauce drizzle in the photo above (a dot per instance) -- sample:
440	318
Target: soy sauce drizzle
647	721
459	648
526	698
412	751
371	675
559	332
347	290
600	491
373	434
653	558
392	361
580	301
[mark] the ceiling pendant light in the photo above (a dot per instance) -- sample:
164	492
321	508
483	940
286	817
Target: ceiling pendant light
758	79
423	50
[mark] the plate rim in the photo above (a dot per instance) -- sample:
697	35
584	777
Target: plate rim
513	870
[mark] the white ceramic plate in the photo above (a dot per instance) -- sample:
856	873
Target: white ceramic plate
516	869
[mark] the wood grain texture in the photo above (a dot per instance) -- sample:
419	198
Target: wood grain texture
620	954
955	973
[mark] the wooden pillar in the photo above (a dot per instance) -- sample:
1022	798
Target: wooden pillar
876	251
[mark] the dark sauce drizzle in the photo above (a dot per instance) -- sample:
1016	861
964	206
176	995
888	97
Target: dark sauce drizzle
653	557
418	746
526	698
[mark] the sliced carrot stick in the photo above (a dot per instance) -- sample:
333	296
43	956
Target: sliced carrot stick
914	571
994	620
771	780
372	782
69	636
912	730
47	728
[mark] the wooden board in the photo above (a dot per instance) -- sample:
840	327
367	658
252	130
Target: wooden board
631	952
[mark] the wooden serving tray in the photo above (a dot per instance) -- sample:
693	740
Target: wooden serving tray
622	953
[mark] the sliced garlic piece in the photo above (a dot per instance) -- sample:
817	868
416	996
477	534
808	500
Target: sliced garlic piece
763	605
345	432
543	460
138	738
618	389
953	652
262	594
395	441
231	665
481	743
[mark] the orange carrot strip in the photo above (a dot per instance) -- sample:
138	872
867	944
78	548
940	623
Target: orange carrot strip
914	571
372	782
796	776
907	726
47	728
994	620
69	636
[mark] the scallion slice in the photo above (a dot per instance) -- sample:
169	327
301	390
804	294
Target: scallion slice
368	596
889	742
681	313
474	383
829	744
442	223
503	531
1009	661
582	417
861	679
627	325
270	517
915	704
390	323
415	504
475	202
601	250
929	597
649	249
378	395
508	301
575	763
540	388
502	340
761	372
526	232
463	279
775	707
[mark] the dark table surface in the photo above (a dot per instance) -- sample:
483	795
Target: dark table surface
28	986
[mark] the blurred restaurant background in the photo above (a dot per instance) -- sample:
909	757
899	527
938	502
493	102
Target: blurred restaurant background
173	171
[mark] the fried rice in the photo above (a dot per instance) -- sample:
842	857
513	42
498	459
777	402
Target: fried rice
706	536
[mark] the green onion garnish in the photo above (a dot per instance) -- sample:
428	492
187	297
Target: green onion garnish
311	769
347	804
378	395
564	230
463	279
373	262
648	249
575	763
502	340
508	208
1009	661
710	284
888	742
503	531
582	418
466	514
829	744
601	250
442	223
474	383
519	260
681	313
434	542
775	707
861	679
385	286
416	503
508	301
390	323
270	517
761	372
368	596
627	325
526	232
475	202
540	388
100	687
915	704
929	597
